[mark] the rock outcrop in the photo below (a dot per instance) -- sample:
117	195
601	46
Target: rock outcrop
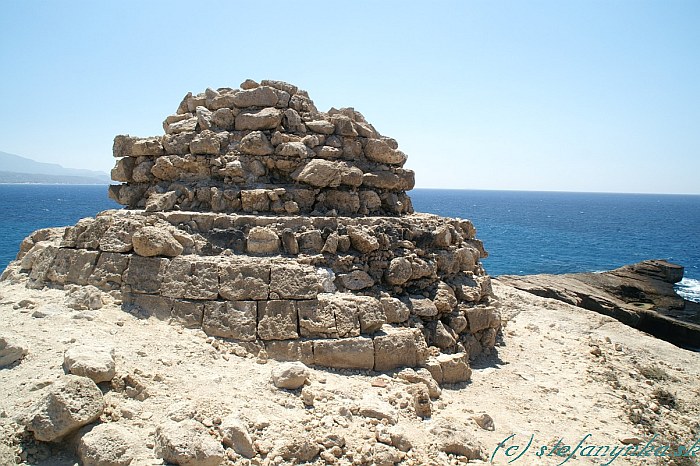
259	219
640	295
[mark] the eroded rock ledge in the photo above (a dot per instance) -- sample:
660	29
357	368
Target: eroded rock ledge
640	295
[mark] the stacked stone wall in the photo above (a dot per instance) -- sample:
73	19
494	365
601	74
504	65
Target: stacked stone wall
263	148
261	220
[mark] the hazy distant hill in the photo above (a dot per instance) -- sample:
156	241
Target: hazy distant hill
17	169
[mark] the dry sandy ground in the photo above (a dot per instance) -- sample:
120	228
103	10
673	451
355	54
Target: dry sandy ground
559	372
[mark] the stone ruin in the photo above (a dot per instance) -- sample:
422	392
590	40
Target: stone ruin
261	220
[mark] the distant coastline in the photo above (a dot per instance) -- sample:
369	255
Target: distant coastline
7	177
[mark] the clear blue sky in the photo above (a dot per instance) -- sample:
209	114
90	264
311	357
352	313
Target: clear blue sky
533	95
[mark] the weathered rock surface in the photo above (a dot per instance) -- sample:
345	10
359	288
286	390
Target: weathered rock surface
640	295
70	403
235	435
188	443
107	445
12	350
93	362
290	375
453	438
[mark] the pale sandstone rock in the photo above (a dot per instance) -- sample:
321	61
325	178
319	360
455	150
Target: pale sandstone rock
356	280
230	319
261	96
394	436
442	337
445	299
187	443
191	278
154	241
385	455
205	143
247	280
107	445
70	403
454	368
422	307
399	347
453	438
379	151
91	361
290	375
262	240
374	407
294	149
256	143
362	240
421	400
84	297
399	271
223	117
422	376
321	126
294	281
235	435
297	449
345	353
161	202
12	350
484	421
395	310
249	84
277	320
266	118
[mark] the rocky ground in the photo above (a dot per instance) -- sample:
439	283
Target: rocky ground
559	372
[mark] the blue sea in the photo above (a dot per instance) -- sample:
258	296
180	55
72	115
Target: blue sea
524	232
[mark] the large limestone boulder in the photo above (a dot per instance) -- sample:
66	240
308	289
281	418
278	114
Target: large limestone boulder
187	443
71	403
91	361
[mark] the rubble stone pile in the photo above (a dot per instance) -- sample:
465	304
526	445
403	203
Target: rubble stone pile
263	148
261	220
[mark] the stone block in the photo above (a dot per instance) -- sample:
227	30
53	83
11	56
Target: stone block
187	313
316	321
454	367
399	347
244	280
230	319
108	272
191	278
72	266
145	274
277	320
481	317
294	281
156	306
291	350
345	353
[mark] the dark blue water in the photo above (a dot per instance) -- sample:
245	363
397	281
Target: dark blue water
28	207
524	232
548	232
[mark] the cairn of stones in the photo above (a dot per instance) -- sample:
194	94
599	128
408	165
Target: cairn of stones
261	220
